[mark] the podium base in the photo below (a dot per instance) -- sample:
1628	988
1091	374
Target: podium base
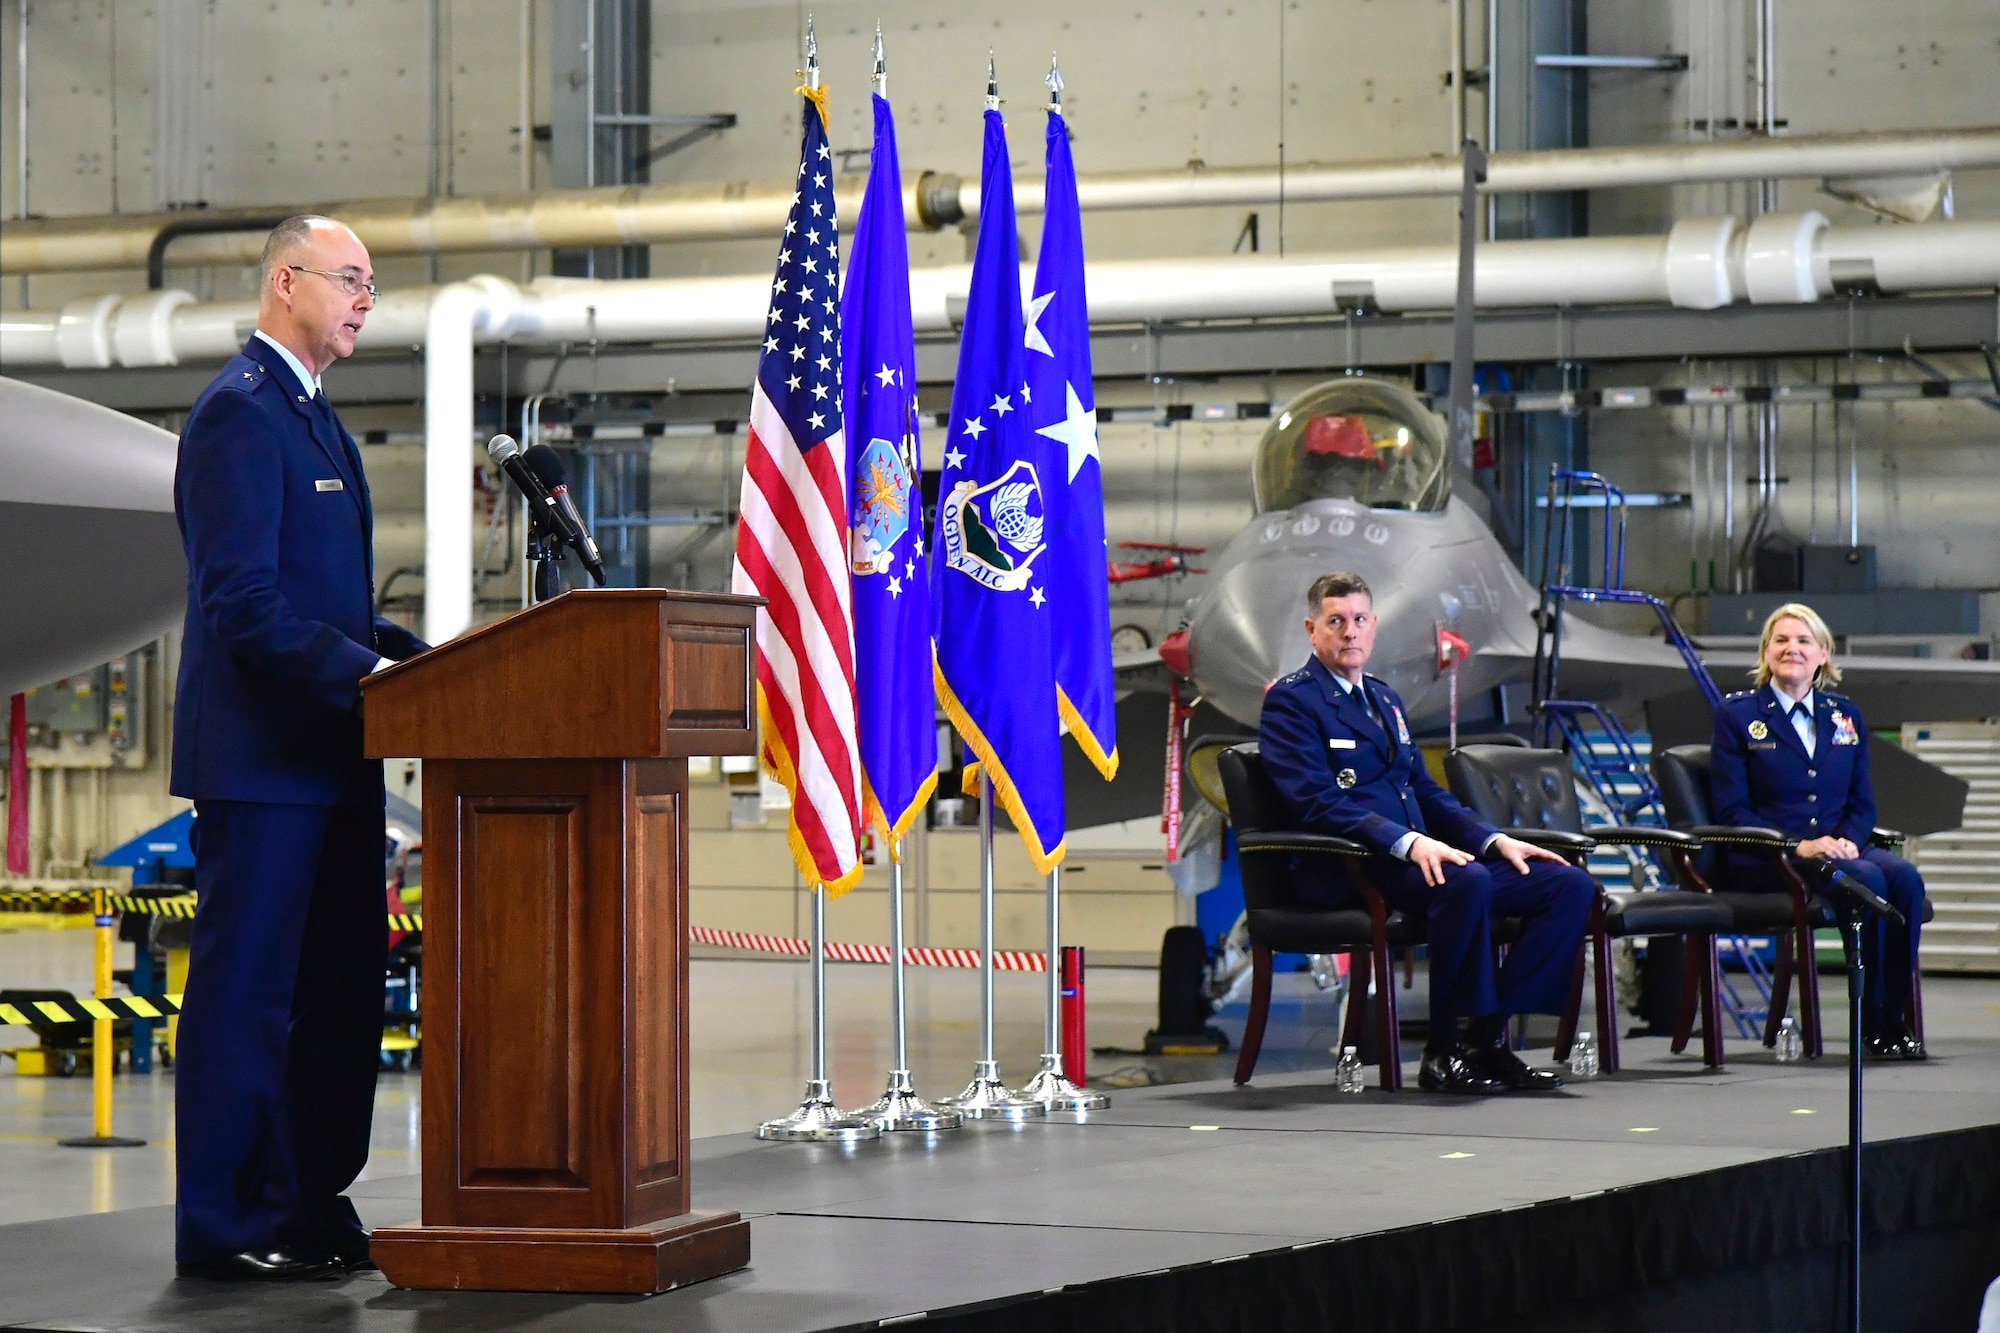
672	1252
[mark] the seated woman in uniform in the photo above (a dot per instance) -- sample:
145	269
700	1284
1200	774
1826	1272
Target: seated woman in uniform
1792	757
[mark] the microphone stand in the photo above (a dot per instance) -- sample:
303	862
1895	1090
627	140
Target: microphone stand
1850	934
544	557
1854	901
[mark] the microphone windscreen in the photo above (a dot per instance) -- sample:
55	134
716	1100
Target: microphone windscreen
546	464
501	448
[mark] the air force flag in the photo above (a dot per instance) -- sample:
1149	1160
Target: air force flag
892	613
995	588
1063	411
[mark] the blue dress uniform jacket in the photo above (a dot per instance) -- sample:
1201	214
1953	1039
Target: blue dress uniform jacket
1760	773
281	625
1341	773
281	1021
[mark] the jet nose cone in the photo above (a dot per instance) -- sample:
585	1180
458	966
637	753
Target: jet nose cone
1236	636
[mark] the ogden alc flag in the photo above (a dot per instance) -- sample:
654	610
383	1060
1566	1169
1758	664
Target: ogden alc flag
892	611
993	585
792	539
1063	410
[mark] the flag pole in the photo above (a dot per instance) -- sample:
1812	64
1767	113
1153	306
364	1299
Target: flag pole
1051	1086
817	1118
986	1097
899	1107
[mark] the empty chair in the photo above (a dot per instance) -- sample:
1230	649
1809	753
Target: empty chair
1531	795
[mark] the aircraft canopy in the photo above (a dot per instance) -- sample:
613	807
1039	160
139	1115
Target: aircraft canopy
1353	439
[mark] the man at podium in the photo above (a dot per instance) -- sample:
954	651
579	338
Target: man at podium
281	1023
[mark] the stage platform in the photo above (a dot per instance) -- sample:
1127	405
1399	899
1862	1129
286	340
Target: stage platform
1664	1198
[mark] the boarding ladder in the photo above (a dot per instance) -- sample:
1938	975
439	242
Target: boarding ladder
1615	777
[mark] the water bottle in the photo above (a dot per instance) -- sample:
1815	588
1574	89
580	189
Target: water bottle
1583	1056
1788	1041
1347	1073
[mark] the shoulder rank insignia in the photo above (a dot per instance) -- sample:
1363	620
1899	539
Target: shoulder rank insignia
1758	731
1346	777
1843	729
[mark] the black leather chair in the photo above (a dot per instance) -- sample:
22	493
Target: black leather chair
1531	795
1791	912
1265	845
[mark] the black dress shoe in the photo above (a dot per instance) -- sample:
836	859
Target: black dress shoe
1503	1066
261	1266
1894	1041
1454	1070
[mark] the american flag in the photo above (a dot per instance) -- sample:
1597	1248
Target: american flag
791	541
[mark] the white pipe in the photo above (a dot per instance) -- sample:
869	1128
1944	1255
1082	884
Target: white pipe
1704	263
723	210
1698	162
448	462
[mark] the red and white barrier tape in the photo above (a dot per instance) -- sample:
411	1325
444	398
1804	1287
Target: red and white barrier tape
1004	960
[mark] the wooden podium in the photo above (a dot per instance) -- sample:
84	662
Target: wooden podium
555	1010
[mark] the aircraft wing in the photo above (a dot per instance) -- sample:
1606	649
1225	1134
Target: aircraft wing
1624	670
88	508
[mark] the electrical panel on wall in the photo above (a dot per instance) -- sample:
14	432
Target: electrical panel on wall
96	719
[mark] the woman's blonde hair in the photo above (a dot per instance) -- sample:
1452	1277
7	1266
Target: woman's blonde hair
1828	673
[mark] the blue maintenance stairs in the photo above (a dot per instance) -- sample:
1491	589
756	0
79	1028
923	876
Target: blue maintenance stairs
1615	773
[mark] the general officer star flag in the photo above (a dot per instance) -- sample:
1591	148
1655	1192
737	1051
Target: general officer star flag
792	539
892	612
995	676
1062	409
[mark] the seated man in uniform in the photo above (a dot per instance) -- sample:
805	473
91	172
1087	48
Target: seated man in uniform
1337	745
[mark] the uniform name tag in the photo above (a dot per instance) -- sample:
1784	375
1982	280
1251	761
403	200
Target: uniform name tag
1763	745
1339	743
329	484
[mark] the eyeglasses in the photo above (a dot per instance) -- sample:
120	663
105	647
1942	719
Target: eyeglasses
350	283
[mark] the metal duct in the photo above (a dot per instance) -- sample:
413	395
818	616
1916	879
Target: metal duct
727	210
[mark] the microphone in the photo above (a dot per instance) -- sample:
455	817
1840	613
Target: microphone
503	450
1859	896
547	466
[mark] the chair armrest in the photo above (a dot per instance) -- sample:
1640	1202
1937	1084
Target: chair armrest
1644	835
1551	839
1887	837
1741	835
1321	844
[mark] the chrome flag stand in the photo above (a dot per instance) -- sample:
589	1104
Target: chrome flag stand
986	1097
1050	1086
818	1119
899	1107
